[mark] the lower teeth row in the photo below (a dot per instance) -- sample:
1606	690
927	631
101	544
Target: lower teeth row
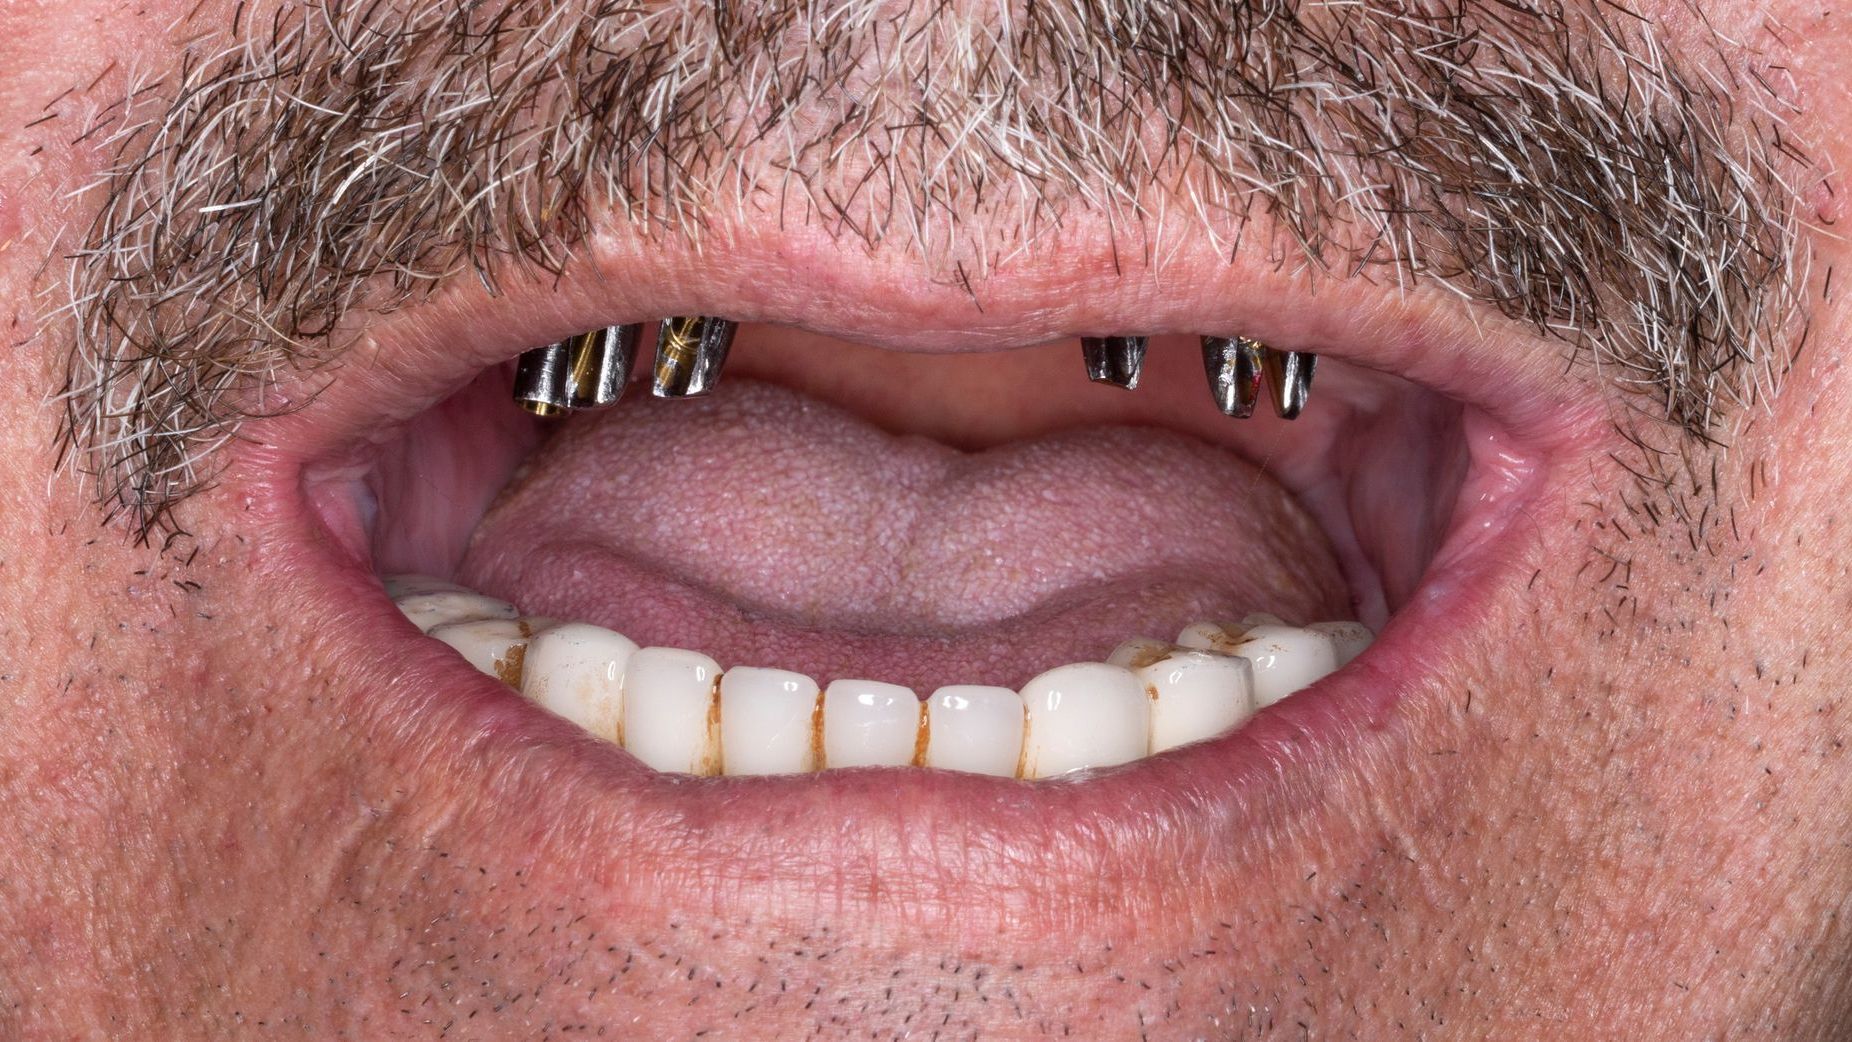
677	710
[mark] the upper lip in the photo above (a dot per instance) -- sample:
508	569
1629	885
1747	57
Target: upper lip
786	836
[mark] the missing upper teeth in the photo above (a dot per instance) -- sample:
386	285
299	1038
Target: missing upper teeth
589	370
677	710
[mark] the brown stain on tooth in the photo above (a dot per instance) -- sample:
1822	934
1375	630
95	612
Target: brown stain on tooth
922	735
1152	656
816	733
715	762
511	666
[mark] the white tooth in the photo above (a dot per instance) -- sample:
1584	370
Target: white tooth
1089	714
1139	651
434	608
870	724
400	586
767	721
1213	636
975	728
1286	658
493	646
577	671
1261	618
1351	638
670	709
1194	694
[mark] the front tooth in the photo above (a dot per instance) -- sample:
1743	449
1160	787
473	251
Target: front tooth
870	724
1115	360
493	646
1286	659
671	710
1089	714
576	670
434	608
1195	694
540	380
690	351
767	721
975	728
1350	637
1233	367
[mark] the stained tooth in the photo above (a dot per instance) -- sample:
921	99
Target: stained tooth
540	380
1194	694
1286	659
1089	714
493	646
433	608
598	365
870	724
1223	637
1289	378
689	353
1115	360
671	710
767	721
1351	638
576	670
975	728
1233	367
1139	651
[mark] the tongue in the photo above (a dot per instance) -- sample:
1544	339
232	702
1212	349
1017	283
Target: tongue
767	528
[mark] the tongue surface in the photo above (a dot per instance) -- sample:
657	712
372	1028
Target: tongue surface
766	528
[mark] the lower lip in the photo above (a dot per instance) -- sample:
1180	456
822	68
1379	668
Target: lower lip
851	834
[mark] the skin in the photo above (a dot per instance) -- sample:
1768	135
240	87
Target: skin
1623	807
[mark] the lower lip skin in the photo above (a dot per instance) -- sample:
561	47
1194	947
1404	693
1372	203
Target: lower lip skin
965	856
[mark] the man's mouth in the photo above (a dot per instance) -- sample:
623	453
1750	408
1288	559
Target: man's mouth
926	523
1017	572
812	551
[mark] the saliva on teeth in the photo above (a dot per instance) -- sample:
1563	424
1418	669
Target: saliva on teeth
678	710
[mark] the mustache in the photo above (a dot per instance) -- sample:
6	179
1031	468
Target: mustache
1560	163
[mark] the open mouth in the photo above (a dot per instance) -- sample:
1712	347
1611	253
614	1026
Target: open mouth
991	580
926	577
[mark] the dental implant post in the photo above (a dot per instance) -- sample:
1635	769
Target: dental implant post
1289	377
1115	360
598	365
1233	366
689	353
540	380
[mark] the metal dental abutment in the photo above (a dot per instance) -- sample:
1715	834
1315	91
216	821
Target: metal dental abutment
1232	364
1115	360
1236	365
540	380
599	365
690	351
1289	375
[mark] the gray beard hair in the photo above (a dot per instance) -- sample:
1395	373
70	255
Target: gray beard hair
1554	161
